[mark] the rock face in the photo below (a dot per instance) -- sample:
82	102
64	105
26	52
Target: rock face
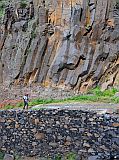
68	43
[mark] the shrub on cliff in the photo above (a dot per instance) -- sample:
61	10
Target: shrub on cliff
23	4
117	4
2	7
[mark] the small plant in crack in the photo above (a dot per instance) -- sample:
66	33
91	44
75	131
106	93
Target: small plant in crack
2	8
117	4
33	35
23	4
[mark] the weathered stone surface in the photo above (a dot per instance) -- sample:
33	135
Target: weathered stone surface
93	158
8	157
69	44
39	135
90	135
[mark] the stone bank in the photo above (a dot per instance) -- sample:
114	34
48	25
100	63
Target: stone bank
51	132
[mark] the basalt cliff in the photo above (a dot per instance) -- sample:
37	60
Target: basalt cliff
69	44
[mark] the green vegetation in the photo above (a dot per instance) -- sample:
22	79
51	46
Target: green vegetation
3	4
68	156
88	26
71	156
44	101
8	107
94	95
58	157
17	157
1	155
23	4
2	8
117	4
107	93
33	35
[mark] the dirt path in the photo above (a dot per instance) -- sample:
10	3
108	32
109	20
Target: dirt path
100	107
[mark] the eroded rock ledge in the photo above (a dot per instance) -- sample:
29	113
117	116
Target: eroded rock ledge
69	44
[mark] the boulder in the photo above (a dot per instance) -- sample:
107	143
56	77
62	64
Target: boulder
8	157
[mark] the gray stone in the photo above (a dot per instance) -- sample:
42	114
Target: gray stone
116	94
93	158
8	157
96	135
86	145
53	144
91	150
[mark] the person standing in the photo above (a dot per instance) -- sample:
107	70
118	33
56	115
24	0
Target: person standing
26	99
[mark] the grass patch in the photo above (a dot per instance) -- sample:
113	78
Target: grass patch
44	101
115	99
107	93
9	107
71	156
19	105
94	95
